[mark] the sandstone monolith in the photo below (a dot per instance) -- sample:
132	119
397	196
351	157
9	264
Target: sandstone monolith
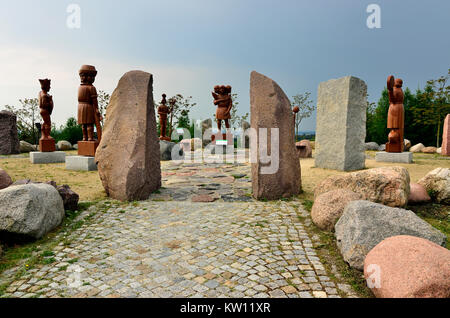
275	173
446	137
128	156
341	124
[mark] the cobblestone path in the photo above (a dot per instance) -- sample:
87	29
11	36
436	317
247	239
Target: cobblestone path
170	246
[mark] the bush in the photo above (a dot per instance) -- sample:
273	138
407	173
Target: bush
70	132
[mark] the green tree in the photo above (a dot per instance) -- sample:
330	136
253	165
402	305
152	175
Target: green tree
179	111
306	106
27	116
71	131
433	104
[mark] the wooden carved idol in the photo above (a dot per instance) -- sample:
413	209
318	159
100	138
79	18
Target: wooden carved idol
396	115
163	111
46	143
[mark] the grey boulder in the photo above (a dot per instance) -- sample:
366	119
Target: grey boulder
372	146
63	145
30	210
364	224
165	149
26	146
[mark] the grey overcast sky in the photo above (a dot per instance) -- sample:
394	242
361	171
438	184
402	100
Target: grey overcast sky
190	46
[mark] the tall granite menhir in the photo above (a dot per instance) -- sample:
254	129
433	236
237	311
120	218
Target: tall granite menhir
270	108
128	153
9	139
341	124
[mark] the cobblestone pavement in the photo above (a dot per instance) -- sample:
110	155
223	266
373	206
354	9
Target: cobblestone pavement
169	246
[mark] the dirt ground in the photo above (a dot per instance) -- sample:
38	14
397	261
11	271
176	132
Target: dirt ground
89	187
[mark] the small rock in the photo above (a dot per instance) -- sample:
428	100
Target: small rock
407	144
437	184
304	149
382	147
439	150
417	148
202	198
5	179
418	194
408	267
75	146
329	206
69	197
364	224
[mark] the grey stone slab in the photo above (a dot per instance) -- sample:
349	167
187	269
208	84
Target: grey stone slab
37	157
341	124
80	163
401	157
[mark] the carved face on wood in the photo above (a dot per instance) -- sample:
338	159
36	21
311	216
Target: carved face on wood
398	83
45	84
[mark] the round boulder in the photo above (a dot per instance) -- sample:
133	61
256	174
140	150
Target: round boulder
437	184
418	194
382	147
385	185
429	150
26	147
372	146
304	149
166	148
64	145
417	148
5	179
364	224
30	210
329	206
408	267
407	144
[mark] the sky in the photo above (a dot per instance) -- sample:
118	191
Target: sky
190	46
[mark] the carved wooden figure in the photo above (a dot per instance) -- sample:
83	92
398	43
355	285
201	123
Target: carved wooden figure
88	112
46	143
163	111
396	115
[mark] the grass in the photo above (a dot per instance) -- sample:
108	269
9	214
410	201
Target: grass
33	254
329	255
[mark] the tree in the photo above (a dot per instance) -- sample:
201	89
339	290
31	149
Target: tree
70	132
180	110
103	102
236	120
27	116
433	104
306	106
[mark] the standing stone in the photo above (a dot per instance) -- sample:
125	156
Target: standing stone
341	124
128	156
446	137
270	108
9	141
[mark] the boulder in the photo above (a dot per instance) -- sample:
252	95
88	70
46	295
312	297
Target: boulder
408	267
364	224
382	147
5	179
26	147
165	149
127	156
22	182
69	197
278	174
429	150
30	211
437	183
407	144
9	141
418	194
372	146
341	124
304	149
417	148
329	206
439	150
63	145
75	146
385	185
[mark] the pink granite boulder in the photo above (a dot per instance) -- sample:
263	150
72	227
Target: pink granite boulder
408	267
5	179
304	149
418	194
329	206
